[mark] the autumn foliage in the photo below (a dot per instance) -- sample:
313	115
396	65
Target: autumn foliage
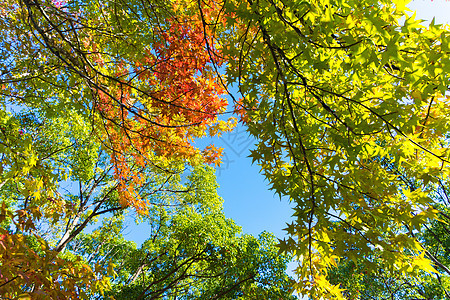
147	97
103	103
182	101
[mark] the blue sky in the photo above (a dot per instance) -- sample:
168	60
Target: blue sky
247	198
427	9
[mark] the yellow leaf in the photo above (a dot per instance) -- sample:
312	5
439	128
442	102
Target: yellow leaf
424	264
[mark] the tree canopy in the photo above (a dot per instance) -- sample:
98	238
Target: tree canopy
102	102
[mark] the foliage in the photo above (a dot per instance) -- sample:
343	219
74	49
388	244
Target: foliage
192	249
361	284
33	212
195	253
98	117
148	94
106	116
347	100
348	105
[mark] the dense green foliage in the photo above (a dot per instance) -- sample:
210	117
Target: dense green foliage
379	283
195	253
